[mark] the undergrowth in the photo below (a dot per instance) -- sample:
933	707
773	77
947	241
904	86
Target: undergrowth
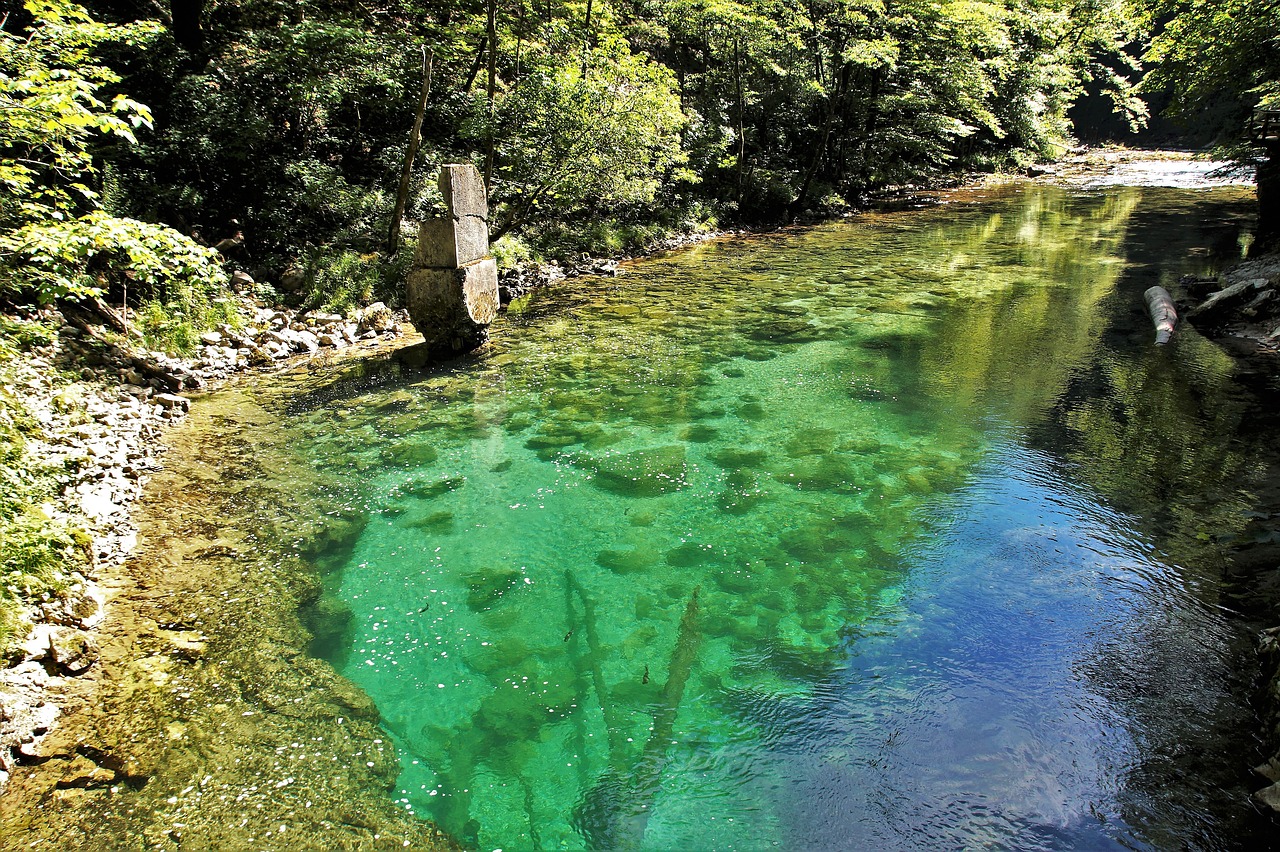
623	232
340	280
37	554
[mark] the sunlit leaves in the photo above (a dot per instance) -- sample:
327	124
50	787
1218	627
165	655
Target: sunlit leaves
1219	59
74	257
49	84
569	139
54	242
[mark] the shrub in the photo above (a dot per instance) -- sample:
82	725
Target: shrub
349	279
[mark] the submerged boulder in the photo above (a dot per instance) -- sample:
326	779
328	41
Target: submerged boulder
649	472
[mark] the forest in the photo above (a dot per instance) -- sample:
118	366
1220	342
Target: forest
138	134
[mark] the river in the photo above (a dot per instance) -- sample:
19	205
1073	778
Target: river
894	533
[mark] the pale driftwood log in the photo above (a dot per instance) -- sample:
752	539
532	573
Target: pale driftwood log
1163	314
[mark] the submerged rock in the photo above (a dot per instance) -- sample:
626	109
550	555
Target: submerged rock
649	472
486	589
627	561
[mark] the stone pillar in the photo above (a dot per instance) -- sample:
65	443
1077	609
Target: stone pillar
453	284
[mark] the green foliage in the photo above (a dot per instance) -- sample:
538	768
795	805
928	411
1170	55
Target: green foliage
292	118
35	557
510	251
346	280
175	326
54	244
624	232
602	131
49	84
35	553
294	127
17	334
1219	60
79	257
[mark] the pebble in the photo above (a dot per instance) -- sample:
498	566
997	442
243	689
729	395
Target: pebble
106	431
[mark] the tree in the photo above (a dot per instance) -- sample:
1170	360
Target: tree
55	241
1219	59
572	141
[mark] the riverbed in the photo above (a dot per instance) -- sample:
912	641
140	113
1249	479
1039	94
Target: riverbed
891	533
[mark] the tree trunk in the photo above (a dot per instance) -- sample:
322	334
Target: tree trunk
185	17
491	88
476	65
586	39
742	134
415	138
833	102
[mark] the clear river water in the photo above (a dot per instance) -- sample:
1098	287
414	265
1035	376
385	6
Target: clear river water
896	533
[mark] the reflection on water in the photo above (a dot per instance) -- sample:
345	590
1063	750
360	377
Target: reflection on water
880	535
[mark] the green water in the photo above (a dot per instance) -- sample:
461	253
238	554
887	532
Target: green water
687	558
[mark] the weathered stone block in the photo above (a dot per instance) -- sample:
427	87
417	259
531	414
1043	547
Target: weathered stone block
451	243
452	308
464	192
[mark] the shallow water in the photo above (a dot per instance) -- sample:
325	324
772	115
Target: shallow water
893	534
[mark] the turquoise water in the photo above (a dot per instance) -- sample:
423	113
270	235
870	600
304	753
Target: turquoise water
852	537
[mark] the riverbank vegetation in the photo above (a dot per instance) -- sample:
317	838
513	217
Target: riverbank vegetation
136	135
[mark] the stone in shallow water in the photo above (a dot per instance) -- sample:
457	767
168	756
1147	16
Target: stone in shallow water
734	580
554	441
642	518
785	331
823	473
487	588
627	561
409	454
734	458
333	538
698	433
689	555
812	442
641	473
427	488
437	523
518	715
740	501
497	659
811	544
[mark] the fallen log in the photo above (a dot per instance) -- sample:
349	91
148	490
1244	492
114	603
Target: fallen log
614	814
1163	313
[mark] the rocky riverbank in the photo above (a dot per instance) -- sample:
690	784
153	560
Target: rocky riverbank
102	412
1240	310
